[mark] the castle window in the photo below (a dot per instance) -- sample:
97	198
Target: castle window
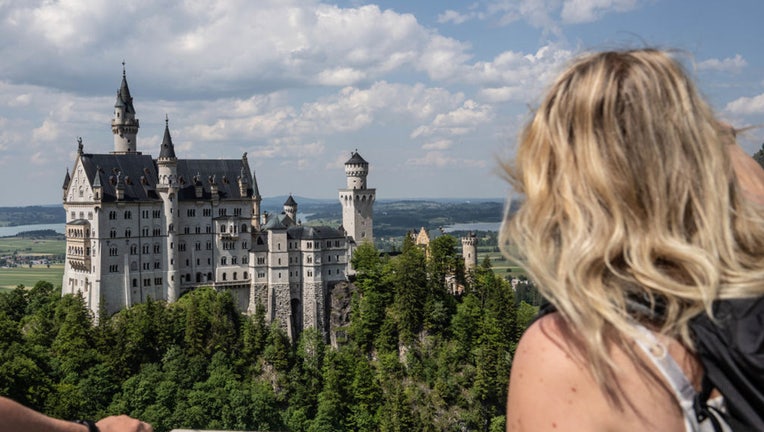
112	233
243	228
208	229
114	268
198	246
128	215
181	247
224	276
127	233
157	266
145	231
209	245
245	276
207	212
156	248
234	275
191	212
112	215
310	259
133	249
186	230
223	261
147	266
135	282
198	229
222	228
233	260
113	251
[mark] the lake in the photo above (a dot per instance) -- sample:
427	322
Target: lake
474	226
13	230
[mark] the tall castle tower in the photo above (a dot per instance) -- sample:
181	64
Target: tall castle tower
357	201
469	251
167	186
124	125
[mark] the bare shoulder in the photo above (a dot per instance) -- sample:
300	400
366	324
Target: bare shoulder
550	389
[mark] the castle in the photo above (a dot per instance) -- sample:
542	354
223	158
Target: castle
139	228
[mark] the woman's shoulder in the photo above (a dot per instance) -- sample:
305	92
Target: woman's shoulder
552	389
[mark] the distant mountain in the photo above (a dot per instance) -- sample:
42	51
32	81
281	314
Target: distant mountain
392	217
32	215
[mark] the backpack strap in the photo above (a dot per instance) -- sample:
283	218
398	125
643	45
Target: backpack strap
686	396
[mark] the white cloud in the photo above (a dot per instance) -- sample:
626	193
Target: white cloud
584	11
730	64
460	121
441	160
454	17
443	144
746	105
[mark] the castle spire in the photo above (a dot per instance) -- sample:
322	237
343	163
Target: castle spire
124	125
168	149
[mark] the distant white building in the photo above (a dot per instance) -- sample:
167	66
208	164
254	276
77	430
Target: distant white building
139	228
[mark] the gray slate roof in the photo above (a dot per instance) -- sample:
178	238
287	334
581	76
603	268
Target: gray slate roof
356	159
302	232
224	172
136	172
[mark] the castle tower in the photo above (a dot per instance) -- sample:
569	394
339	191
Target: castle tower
290	208
357	201
124	125
469	251
167	167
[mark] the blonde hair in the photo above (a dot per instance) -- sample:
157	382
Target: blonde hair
629	192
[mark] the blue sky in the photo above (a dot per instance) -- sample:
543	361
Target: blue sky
431	93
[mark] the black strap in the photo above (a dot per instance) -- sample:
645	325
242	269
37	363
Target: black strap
91	425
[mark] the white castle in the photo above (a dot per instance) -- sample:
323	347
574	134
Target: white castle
139	228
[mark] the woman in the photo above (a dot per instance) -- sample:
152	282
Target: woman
633	222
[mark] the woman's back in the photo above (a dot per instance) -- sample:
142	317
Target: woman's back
551	388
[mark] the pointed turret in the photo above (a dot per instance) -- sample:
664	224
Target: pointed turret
124	125
290	208
168	149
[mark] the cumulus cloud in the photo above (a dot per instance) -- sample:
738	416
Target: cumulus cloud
730	64
584	11
460	121
746	105
440	159
455	17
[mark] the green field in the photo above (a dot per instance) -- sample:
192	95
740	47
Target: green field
11	277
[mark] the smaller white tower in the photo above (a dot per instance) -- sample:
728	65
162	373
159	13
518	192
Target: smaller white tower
357	200
124	125
469	251
167	167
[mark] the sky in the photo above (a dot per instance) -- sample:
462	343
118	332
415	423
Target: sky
431	93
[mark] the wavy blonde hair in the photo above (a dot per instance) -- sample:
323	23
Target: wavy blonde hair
629	192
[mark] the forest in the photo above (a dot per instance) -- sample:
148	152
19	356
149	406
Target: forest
414	357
